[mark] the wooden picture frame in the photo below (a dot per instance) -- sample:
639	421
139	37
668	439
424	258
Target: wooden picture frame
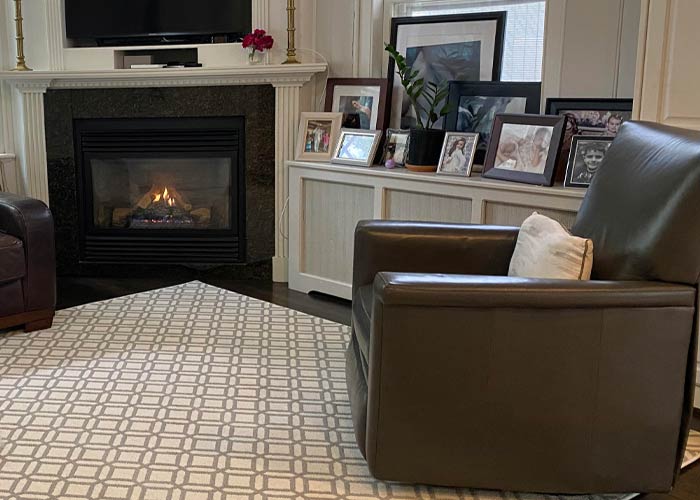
485	27
317	136
517	146
375	88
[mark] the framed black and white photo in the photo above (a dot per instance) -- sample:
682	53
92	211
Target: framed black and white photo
524	148
445	48
357	147
587	154
457	155
363	102
474	106
317	136
396	146
593	117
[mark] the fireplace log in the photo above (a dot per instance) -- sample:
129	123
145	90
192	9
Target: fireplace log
202	215
120	217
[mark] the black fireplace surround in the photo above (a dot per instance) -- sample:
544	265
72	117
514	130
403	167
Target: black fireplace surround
161	190
146	182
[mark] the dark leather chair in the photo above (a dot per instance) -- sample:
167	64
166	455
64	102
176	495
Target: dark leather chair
27	264
461	376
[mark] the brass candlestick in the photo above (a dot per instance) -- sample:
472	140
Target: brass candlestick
291	50
21	64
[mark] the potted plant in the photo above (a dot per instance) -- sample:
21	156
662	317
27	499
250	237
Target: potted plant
425	98
257	43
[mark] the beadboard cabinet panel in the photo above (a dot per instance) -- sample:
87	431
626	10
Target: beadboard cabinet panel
327	201
407	205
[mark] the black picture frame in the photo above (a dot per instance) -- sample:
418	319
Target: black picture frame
558	105
398	22
531	91
576	143
556	123
555	105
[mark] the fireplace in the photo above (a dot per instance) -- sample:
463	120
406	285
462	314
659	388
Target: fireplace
161	190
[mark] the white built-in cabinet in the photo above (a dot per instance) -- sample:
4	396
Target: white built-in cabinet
327	201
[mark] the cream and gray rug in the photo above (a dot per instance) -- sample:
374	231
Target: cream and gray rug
187	393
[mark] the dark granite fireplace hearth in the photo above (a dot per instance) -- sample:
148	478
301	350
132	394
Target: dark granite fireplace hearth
254	106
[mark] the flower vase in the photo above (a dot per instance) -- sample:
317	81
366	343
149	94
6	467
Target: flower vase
256	57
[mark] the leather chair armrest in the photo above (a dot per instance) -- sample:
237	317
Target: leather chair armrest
423	247
30	220
486	292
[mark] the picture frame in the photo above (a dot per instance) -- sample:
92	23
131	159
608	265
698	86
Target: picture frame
449	47
605	109
317	136
371	93
456	160
524	148
586	155
474	106
396	144
356	147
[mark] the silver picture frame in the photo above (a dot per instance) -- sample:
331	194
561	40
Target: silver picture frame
356	147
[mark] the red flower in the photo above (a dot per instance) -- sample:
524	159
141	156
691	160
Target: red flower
259	40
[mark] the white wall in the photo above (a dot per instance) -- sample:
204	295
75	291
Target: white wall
591	45
591	48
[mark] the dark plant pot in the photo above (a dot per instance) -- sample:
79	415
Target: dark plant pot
424	149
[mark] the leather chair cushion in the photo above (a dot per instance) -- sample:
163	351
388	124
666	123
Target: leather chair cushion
12	262
641	208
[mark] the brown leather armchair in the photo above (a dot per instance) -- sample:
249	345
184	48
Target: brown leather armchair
27	263
461	376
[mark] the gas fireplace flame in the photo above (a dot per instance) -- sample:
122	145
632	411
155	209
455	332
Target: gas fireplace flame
164	196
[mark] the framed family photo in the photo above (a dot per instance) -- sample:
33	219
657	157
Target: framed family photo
396	146
444	48
363	102
357	147
474	106
457	155
594	117
586	156
317	136
524	148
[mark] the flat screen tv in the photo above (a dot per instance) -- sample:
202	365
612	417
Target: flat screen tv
156	21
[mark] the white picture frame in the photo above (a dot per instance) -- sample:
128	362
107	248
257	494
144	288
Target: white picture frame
356	147
456	160
317	136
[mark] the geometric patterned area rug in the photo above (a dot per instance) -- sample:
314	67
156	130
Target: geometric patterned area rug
188	393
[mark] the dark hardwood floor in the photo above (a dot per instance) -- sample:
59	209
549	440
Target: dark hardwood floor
76	291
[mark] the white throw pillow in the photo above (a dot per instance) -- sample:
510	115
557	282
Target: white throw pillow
546	250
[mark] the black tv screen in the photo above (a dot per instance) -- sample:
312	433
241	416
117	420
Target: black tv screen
114	19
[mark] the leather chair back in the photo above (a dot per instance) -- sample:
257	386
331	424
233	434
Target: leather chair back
642	210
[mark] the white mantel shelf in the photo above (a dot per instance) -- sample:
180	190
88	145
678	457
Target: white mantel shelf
274	74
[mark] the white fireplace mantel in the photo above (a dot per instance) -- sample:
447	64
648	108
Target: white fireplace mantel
288	80
273	74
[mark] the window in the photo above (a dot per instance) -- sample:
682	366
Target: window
524	38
